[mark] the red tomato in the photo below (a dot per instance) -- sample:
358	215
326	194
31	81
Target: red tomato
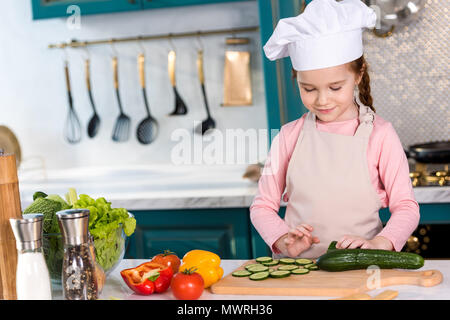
187	285
169	259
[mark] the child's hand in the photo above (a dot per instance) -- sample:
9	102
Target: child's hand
352	242
297	240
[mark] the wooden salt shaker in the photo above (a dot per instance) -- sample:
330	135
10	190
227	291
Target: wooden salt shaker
9	208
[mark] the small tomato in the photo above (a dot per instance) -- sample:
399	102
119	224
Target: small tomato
187	285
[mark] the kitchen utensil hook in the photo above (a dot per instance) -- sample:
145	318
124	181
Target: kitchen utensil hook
86	52
199	42
113	47
171	43
141	46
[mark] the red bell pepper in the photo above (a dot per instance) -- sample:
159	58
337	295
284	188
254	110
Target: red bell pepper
148	277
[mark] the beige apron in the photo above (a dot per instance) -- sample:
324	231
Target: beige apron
328	184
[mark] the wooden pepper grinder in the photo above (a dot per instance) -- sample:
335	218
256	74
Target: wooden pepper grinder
9	208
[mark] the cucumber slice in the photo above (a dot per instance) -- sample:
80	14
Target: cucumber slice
287	267
280	274
300	271
241	273
272	270
252	265
263	259
271	263
312	266
303	262
259	275
287	261
258	268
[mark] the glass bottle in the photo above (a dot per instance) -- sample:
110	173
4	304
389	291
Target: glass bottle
78	276
32	276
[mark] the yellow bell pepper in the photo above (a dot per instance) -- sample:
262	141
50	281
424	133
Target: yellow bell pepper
207	264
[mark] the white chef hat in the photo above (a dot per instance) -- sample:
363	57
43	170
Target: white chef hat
328	33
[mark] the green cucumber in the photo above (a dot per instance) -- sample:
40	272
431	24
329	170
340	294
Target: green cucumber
258	268
272	270
287	267
271	263
300	271
332	246
287	261
280	274
263	259
241	273
259	275
354	259
303	262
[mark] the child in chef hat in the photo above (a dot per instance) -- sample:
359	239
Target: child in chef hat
339	163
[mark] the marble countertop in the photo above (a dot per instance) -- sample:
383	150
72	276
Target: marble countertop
166	186
115	288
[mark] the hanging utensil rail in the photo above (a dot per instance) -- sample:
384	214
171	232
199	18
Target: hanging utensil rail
77	44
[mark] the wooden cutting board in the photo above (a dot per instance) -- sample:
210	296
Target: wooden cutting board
324	283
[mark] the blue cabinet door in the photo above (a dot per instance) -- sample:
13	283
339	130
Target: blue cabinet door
222	231
43	9
153	4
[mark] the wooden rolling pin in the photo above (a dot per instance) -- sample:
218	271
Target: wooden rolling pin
9	208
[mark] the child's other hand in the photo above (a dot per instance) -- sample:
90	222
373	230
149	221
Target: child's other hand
352	242
299	239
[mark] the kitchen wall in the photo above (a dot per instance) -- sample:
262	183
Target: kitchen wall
410	75
33	99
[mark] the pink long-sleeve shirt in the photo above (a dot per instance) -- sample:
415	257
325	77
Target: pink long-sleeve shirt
389	174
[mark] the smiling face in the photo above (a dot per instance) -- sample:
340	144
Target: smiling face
328	92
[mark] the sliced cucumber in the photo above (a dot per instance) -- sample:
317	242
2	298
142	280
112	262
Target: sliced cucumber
280	274
287	261
312	266
258	268
252	265
263	259
271	263
241	273
303	262
300	271
272	270
287	267
259	275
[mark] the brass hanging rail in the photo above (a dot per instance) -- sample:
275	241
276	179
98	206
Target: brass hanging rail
78	44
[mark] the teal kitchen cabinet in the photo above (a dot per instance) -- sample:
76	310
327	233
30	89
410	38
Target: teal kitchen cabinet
225	231
154	4
44	9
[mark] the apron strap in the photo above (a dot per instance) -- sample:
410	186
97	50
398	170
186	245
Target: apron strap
366	119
